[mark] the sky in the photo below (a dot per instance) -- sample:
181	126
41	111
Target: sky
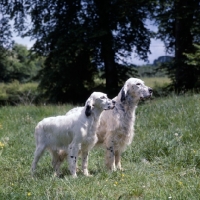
157	49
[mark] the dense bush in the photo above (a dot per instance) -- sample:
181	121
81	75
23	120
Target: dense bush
15	93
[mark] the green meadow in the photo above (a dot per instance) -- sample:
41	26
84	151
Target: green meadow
156	81
163	161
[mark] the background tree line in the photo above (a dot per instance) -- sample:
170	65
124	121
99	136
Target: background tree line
85	41
19	65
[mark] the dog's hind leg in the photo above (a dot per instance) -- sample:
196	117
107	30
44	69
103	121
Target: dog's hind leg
37	155
56	161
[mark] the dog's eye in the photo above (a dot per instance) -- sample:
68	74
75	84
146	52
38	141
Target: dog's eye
102	97
138	83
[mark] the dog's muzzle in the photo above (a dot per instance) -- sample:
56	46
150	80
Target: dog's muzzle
148	96
150	91
111	106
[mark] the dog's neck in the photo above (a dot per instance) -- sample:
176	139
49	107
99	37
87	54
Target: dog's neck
95	120
129	104
95	115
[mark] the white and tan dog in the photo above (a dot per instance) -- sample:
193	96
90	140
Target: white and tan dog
73	133
116	129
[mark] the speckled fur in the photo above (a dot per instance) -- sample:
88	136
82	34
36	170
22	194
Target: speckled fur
116	129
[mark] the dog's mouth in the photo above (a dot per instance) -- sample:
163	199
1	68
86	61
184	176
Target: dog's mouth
109	107
146	97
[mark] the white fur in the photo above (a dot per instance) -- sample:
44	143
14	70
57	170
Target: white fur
72	133
116	129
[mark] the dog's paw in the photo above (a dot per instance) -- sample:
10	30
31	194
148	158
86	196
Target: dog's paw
89	175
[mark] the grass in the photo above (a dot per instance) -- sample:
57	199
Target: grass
159	85
156	81
163	161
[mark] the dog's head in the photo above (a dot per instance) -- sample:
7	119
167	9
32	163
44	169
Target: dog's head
135	88
98	101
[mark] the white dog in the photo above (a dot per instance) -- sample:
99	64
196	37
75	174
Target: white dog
72	133
116	128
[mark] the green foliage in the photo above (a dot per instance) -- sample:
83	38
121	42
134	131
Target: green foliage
70	80
5	31
15	93
82	34
124	72
19	65
79	37
177	28
194	58
187	81
163	161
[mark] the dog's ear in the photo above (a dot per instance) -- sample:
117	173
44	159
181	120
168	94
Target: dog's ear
88	107
123	93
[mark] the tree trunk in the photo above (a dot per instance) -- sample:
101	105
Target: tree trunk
178	45
107	51
109	63
184	74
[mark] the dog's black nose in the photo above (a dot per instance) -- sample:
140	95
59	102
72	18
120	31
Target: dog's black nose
150	90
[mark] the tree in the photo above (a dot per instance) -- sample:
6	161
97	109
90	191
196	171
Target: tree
178	27
122	28
19	65
5	31
194	60
82	36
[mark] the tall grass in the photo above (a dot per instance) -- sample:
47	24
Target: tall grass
156	81
163	161
159	85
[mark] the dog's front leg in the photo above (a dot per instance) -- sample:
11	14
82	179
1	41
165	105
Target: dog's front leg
110	158
72	158
118	160
85	162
